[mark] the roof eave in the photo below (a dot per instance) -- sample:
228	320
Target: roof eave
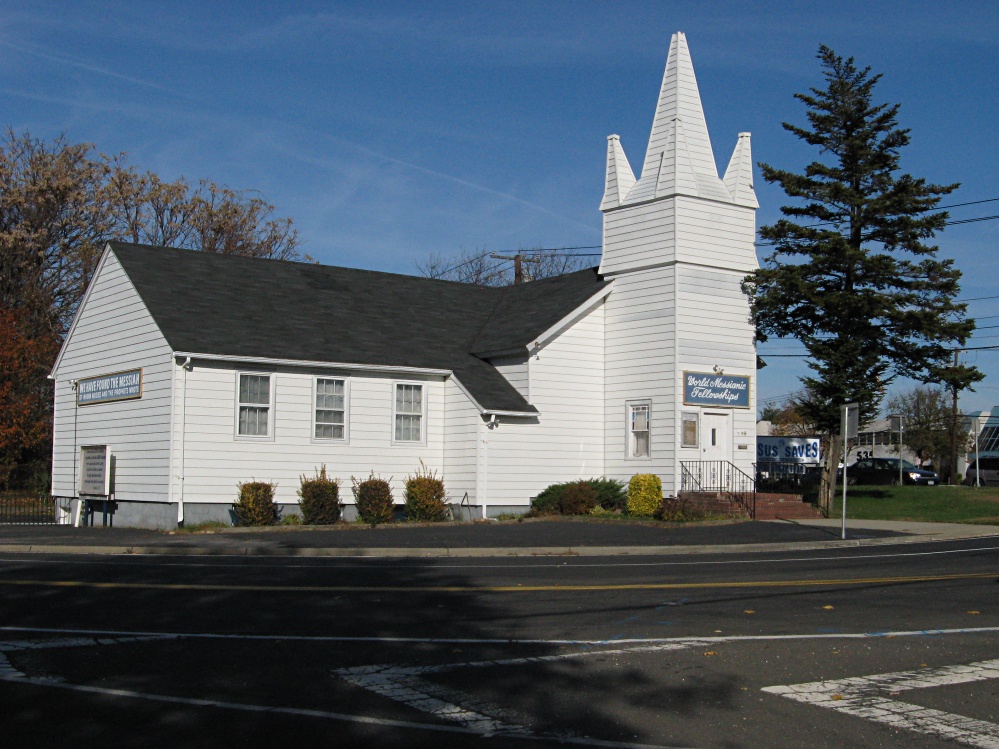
497	353
381	368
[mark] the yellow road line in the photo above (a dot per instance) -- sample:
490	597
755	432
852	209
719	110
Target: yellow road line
494	588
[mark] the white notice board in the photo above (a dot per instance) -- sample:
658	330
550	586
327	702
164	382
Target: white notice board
95	470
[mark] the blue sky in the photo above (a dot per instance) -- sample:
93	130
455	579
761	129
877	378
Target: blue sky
391	130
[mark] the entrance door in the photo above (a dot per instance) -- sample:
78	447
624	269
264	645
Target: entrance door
716	436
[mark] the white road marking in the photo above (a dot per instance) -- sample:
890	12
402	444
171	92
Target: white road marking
392	681
399	684
865	697
404	684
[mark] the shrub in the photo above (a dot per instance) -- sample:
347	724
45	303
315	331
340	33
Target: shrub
425	496
320	499
291	520
255	505
611	493
674	509
578	498
548	502
645	494
373	498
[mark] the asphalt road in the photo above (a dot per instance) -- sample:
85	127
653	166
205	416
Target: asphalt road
698	651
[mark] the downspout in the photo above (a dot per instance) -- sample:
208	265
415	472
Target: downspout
490	426
185	366
75	521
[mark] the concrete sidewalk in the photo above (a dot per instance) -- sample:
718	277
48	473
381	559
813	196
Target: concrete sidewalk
558	537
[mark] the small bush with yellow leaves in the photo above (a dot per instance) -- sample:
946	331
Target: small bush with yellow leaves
645	494
426	499
255	505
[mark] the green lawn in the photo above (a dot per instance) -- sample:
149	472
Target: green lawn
931	504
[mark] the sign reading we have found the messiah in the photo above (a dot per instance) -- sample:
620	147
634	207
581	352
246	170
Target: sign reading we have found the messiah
110	387
710	389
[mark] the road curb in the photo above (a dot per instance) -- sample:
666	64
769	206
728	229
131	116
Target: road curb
264	549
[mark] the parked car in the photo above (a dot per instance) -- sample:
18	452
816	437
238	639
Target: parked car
885	471
985	468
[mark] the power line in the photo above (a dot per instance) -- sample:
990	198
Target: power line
947	223
480	256
971	220
958	205
562	249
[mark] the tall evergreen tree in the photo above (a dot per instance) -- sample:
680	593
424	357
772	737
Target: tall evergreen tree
857	281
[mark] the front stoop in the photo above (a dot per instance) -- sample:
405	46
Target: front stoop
769	506
784	507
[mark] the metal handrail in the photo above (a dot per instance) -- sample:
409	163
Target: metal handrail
720	476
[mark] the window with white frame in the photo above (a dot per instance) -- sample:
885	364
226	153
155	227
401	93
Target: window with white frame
638	430
688	429
408	412
330	409
254	405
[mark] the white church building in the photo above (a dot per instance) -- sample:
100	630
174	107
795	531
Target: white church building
185	373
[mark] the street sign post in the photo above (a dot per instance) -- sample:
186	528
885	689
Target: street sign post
896	426
851	426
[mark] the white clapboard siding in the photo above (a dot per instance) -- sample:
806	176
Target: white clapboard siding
715	234
462	423
639	350
114	332
215	460
637	237
714	327
514	369
714	330
565	442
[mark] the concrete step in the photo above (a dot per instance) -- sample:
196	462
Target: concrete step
768	506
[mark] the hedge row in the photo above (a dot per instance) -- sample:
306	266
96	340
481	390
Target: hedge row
643	497
320	504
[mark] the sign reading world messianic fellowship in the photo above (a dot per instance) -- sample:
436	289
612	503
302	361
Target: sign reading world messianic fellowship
711	389
110	387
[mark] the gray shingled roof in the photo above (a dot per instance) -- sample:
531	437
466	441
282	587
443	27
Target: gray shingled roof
236	306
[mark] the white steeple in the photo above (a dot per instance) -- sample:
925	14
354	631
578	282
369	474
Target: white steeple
678	210
676	172
739	175
679	159
677	246
620	178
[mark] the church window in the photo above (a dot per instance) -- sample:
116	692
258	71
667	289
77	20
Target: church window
639	430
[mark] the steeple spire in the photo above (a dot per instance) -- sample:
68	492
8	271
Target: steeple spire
676	174
679	99
679	159
739	175
620	178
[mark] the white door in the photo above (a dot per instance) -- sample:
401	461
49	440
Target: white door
716	436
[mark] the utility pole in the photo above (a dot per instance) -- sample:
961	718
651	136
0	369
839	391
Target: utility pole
518	267
953	430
